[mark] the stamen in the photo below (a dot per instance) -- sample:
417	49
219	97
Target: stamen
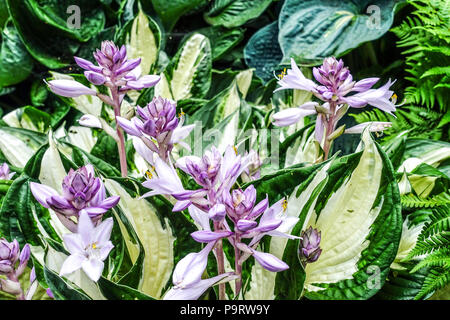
284	205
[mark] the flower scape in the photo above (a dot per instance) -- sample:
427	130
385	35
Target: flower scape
214	150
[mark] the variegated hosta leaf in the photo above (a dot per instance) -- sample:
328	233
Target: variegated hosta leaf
143	41
28	118
189	73
142	37
419	151
156	238
19	145
354	202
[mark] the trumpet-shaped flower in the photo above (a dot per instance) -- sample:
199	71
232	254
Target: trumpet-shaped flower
88	248
187	276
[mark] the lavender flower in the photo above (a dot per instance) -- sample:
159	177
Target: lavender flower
310	245
88	248
213	172
187	276
158	126
82	192
336	86
10	254
4	172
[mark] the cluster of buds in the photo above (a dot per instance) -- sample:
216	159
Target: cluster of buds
12	264
309	250
157	126
336	84
5	174
114	71
82	192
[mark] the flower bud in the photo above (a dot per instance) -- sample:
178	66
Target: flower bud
9	253
309	245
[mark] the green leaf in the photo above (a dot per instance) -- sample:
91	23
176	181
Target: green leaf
234	13
15	62
36	20
170	11
115	291
263	52
312	30
222	40
61	289
38	93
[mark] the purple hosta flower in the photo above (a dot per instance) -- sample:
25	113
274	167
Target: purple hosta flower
82	192
158	126
4	172
13	262
243	211
88	248
338	91
310	245
215	173
114	70
187	276
336	83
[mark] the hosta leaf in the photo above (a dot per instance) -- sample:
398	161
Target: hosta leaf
189	73
33	19
15	62
354	202
142	37
114	291
170	11
234	13
19	145
312	30
263	52
222	40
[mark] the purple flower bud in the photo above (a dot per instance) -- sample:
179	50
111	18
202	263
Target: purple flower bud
309	245
11	287
245	225
210	236
217	212
4	172
9	254
269	261
95	78
70	88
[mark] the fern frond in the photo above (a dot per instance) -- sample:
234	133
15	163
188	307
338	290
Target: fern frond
438	258
436	279
413	201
